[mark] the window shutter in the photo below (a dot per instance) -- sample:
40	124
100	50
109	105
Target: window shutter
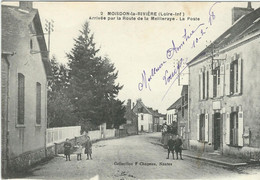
240	76
227	128
240	129
227	78
222	73
198	127
210	85
201	84
206	84
206	127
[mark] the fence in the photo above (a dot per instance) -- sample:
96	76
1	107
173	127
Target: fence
55	135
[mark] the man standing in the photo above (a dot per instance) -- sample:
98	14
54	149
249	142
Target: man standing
178	146
170	145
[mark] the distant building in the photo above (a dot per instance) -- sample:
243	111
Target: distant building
131	125
145	116
224	93
158	120
171	115
25	69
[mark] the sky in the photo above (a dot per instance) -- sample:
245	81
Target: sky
135	46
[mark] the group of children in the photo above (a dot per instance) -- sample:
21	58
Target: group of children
78	149
175	145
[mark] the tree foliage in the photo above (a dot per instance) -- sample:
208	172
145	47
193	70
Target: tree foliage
60	109
92	87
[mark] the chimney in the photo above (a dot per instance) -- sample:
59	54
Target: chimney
26	5
128	104
238	12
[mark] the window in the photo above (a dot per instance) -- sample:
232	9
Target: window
234	128
31	44
204	85
234	77
142	117
182	111
38	103
202	127
20	119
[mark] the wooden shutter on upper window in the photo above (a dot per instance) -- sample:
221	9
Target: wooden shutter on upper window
222	75
240	75
206	84
240	129
198	127
201	84
227	78
227	128
210	84
206	127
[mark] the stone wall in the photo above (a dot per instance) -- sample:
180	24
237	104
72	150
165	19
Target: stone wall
25	160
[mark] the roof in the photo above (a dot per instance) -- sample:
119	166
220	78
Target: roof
13	21
176	104
242	27
139	104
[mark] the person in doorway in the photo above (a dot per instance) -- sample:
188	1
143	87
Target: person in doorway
170	145
88	148
67	146
178	146
78	151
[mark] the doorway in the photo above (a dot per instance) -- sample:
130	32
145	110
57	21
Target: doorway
217	128
142	128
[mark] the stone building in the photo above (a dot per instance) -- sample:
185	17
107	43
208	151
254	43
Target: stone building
224	90
131	125
145	117
25	69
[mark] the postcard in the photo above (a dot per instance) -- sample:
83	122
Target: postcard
130	90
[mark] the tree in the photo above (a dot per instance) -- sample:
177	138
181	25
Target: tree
60	109
92	87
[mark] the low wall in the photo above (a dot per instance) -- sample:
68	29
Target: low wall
94	135
25	160
109	133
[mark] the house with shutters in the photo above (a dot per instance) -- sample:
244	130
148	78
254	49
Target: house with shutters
145	116
224	90
25	70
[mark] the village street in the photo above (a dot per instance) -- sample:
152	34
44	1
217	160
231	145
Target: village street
107	156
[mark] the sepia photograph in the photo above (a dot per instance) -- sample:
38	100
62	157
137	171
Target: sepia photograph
125	90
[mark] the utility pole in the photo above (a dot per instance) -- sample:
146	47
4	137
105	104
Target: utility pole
49	27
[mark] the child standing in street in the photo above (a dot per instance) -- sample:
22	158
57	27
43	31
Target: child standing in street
170	145
78	151
88	148
67	146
